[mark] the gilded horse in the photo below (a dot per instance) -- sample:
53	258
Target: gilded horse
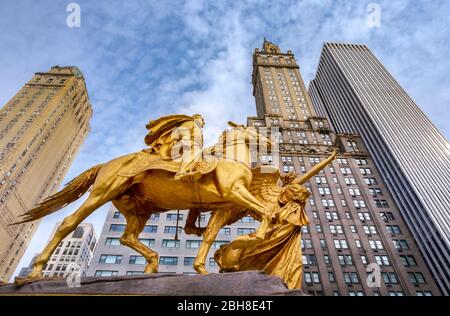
225	189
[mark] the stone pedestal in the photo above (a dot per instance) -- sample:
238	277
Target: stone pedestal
248	283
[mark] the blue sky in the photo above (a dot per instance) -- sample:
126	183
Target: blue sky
144	59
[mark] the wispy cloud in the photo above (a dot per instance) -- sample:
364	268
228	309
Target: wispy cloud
143	59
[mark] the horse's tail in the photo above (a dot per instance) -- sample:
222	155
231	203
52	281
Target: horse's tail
71	192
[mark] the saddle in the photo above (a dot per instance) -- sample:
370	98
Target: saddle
145	160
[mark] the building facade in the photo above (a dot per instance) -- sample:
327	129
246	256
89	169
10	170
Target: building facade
74	253
358	95
353	220
41	129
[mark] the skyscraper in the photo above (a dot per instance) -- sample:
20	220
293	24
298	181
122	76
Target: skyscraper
358	95
41	129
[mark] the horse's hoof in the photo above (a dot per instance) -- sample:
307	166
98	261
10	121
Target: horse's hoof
149	269
200	268
19	281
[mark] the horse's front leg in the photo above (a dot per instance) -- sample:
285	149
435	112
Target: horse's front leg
217	220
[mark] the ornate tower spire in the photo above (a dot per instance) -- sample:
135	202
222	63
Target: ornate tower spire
269	47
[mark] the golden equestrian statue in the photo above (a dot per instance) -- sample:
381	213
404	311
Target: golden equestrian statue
142	183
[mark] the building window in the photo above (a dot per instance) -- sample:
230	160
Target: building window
364	259
110	259
331	215
225	231
340	244
309	259
375	191
189	261
193	244
352	146
336	229
173	217
247	219
171	230
381	203
306	243
327	203
312	277
359	203
393	229
389	277
424	293
318	228
375	244
351	278
364	216
170	261
117	227
154	217
245	231
212	262
346	260
355	293
170	243
150	229
400	244
387	216
137	260
111	241
416	278
135	272
370	230
382	260
331	277
395	293
106	273
148	242
117	215
408	261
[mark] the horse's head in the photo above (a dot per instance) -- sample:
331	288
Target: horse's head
248	134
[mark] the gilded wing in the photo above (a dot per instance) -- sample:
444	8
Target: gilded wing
264	185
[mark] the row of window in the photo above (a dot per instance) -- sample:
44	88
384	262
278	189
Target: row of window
343	244
353	278
140	260
173	229
173	217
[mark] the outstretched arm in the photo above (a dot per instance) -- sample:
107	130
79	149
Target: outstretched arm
316	169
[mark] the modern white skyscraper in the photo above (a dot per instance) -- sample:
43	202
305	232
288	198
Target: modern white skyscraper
358	95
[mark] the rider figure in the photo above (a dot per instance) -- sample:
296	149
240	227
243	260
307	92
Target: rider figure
178	135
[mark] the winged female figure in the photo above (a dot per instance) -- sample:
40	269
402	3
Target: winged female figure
280	252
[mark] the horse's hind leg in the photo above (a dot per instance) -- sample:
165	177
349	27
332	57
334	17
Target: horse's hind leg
190	228
96	198
217	220
130	238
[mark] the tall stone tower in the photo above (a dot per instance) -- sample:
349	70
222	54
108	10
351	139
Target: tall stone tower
41	129
354	222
